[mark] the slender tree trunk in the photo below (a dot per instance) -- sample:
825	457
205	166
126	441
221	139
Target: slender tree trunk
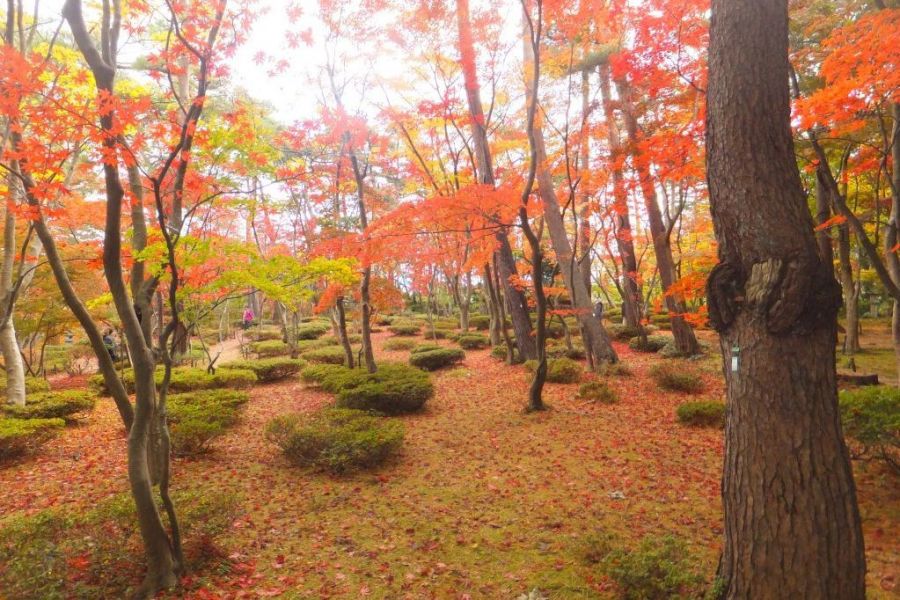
685	341
342	330
365	308
584	228
493	306
792	526
892	236
505	261
850	292
9	345
597	342
631	293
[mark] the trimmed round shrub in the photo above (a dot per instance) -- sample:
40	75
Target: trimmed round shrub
394	388
333	355
18	436
312	330
68	405
197	418
268	334
266	369
426	348
558	349
307	345
270	348
480	322
315	374
383	320
238	379
405	328
622	332
597	391
702	414
559	370
441	334
473	341
870	417
395	344
652	343
33	385
499	351
618	369
445	324
431	360
335	440
675	378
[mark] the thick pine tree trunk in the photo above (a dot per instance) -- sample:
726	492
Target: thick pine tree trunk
792	527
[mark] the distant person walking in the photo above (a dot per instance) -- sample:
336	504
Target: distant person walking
248	317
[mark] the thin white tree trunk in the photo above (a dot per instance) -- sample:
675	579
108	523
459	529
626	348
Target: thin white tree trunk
9	346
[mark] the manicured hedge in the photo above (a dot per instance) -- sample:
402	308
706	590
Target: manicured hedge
66	404
702	414
559	370
473	341
267	369
434	359
197	418
18	436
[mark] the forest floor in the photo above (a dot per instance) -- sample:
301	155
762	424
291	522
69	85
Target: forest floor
484	502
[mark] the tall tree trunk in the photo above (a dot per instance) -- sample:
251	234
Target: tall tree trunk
792	526
9	345
342	331
892	236
597	341
505	261
584	159
685	341
365	307
850	291
631	293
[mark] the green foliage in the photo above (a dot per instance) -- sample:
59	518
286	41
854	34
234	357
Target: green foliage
312	330
197	418
33	385
238	379
618	369
445	324
267	334
622	332
393	389
18	436
441	334
317	373
656	570
870	417
405	328
270	348
499	351
426	348
702	414
66	404
480	322
559	370
652	343
559	349
431	360
307	345
597	391
335	440
61	553
676	378
395	344
268	369
470	341
333	355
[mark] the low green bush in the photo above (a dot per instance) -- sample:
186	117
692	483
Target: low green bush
441	334
480	322
184	379
675	378
317	373
445	324
405	328
471	341
618	369
267	369
658	569
597	391
96	552
18	436
426	348
558	349
312	330
333	355
702	414
33	385
395	344
559	370
68	405
267	334
197	418
870	417
432	360
324	342
270	348
335	440
393	389
652	343
383	320
499	351
237	379
622	332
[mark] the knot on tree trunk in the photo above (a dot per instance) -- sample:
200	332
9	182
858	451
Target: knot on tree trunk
796	294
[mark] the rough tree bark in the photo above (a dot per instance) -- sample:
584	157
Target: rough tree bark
685	341
792	527
9	345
